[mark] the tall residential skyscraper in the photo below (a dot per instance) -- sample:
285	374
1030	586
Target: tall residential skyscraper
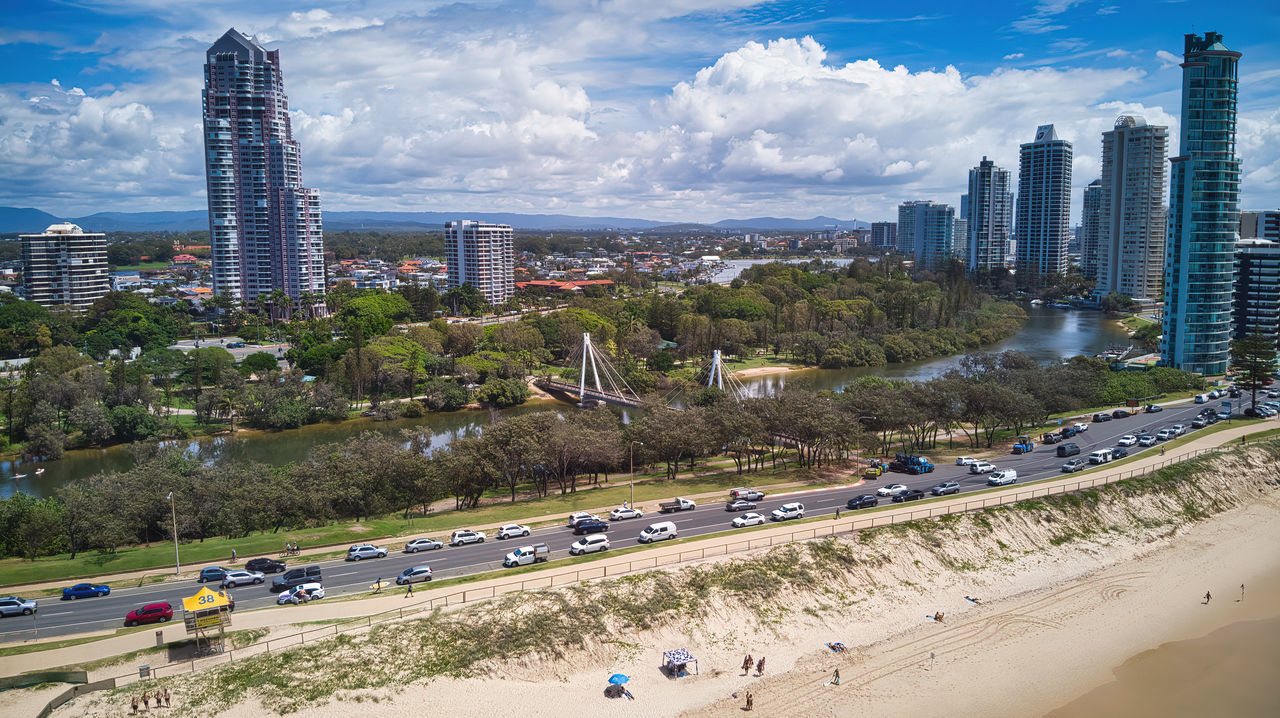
1043	224
1131	211
1255	307
1088	234
264	225
1204	212
1260	224
65	267
990	215
884	234
482	255
926	231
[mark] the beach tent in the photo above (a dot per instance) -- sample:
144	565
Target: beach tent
672	660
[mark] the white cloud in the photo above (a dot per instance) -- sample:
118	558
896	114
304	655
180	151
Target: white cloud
1041	20
1167	59
1015	56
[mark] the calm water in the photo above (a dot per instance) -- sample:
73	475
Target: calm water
1048	335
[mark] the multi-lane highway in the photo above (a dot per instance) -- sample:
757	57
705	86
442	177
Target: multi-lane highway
69	617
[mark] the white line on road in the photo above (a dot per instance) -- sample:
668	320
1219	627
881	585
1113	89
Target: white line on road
335	575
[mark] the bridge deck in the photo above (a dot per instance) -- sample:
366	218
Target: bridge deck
565	387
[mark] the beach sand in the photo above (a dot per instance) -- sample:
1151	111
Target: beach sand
766	370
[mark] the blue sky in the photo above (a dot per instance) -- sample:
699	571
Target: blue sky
688	110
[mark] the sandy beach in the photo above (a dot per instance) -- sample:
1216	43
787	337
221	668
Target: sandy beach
766	370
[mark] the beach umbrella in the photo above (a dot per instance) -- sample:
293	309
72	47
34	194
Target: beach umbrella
618	679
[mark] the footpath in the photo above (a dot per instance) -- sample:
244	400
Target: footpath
655	557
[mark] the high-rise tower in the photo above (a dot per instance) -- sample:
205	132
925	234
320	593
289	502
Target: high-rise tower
990	216
1089	218
1043	224
926	230
1131	211
1204	212
264	225
482	255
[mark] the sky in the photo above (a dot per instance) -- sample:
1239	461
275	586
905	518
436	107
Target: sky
676	110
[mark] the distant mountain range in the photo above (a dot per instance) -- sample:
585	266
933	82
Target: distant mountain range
27	220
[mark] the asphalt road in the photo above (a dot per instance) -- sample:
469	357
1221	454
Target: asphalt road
58	618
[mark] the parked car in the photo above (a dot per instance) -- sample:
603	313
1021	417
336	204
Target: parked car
1101	416
577	516
1101	456
527	555
236	345
1147	440
1121	414
365	550
751	519
862	502
909	495
593	526
312	592
1068	432
890	490
1164	434
1074	465
150	613
14	606
414	574
265	565
589	544
1234	393
1215	394
946	487
746	494
1068	449
465	536
1127	440
1119	452
1154	408
981	467
513	531
212	573
740	505
627	512
1224	414
1050	438
1202	398
658	532
241	578
965	460
788	511
1003	478
1200	422
1080	426
85	590
422	544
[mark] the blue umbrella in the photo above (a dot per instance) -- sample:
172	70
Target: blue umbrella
618	679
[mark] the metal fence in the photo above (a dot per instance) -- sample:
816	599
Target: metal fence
536	582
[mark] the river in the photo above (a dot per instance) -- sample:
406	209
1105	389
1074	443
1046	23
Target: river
1048	335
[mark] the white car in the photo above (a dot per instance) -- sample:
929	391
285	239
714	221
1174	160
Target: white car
578	516
414	574
241	578
1146	440
422	544
751	519
1003	478
1179	429
1079	426
365	550
890	490
465	536
1165	434
589	544
512	531
1127	440
965	460
628	512
788	511
981	467
312	591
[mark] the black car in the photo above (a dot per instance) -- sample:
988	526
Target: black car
1068	450
1119	452
1121	414
295	577
1050	439
1068	432
590	526
862	502
1234	393
265	565
1154	408
1101	417
739	505
909	495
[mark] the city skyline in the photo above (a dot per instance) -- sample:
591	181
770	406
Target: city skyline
652	115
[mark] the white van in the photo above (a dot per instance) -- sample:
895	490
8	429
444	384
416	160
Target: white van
1101	456
658	532
1202	398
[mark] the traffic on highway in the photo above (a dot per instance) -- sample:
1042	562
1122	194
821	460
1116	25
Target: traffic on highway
265	582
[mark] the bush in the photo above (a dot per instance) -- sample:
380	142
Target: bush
503	393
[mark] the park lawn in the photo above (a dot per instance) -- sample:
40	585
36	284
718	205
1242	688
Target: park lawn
1134	323
142	267
159	555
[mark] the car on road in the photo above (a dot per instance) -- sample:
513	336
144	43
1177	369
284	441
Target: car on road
784	512
513	531
312	592
909	495
1234	393
1147	440
414	574
1119	452
946	487
1121	414
422	544
241	578
1179	429
151	613
982	467
296	577
1050	438
658	532
577	516
1165	434
1074	465
591	526
366	550
890	490
1214	394
236	345
85	590
14	606
589	544
465	536
624	513
1200	422
748	519
964	460
1224	414
1101	417
265	565
1127	440
1080	426
1153	408
740	505
211	573
862	502
1003	478
1068	450
1068	432
875	470
746	494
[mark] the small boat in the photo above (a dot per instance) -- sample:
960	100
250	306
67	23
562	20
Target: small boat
39	472
1036	302
15	477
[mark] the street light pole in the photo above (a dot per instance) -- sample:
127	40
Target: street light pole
177	564
633	472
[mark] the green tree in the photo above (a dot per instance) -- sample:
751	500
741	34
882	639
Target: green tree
260	363
1254	357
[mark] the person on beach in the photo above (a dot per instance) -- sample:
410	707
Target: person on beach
746	664
938	616
835	678
1207	598
146	702
134	702
167	697
760	667
1242	593
751	704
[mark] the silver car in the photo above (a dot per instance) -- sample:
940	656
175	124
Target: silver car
14	606
414	574
240	578
422	544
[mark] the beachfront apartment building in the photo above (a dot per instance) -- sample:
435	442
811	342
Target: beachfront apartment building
926	231
1255	305
1043	217
1087	233
988	210
482	255
65	267
1131	214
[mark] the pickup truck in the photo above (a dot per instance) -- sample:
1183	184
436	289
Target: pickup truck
667	507
746	494
525	555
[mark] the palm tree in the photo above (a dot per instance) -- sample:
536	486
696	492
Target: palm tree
227	405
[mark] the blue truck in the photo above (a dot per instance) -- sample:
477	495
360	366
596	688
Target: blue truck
908	464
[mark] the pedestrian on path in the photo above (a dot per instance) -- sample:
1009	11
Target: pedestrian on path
410	591
233	555
760	667
837	513
1162	451
1207	598
751	704
746	664
378	585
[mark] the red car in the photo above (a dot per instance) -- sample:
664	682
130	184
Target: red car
150	613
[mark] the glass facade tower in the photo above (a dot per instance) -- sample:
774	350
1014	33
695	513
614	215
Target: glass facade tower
989	211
